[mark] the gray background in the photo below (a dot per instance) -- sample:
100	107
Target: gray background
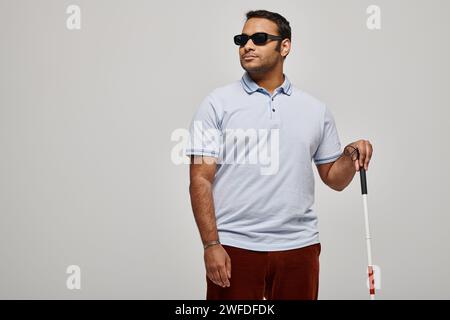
86	117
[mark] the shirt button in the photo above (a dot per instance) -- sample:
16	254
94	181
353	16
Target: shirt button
273	110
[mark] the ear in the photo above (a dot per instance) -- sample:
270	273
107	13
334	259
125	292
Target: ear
285	47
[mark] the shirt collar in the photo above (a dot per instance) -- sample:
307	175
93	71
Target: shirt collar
251	86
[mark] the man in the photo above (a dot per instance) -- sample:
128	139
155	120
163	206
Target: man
259	230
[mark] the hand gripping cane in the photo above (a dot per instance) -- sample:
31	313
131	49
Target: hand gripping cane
362	174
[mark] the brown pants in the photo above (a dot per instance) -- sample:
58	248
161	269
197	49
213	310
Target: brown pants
275	275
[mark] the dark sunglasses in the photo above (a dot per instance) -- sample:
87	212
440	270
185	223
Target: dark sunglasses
258	38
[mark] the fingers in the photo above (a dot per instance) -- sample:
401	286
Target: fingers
224	277
219	277
360	155
228	266
365	154
220	273
216	277
369	151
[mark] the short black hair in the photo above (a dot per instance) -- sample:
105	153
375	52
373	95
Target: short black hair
284	29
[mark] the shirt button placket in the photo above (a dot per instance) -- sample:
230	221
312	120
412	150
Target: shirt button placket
273	108
274	112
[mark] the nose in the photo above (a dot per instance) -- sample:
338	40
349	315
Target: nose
249	45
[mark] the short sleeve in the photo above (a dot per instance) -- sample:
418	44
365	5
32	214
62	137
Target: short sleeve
205	130
329	149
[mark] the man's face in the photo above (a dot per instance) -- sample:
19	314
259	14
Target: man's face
260	58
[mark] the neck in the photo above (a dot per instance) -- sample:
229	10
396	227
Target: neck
269	80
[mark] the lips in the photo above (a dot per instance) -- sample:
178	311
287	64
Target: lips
249	56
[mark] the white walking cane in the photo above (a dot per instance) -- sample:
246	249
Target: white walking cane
362	174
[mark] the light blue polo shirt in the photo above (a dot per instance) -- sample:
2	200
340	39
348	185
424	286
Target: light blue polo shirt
274	209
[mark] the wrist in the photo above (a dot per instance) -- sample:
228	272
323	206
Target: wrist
351	151
208	244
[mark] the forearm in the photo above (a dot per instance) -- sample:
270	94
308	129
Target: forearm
341	173
200	190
